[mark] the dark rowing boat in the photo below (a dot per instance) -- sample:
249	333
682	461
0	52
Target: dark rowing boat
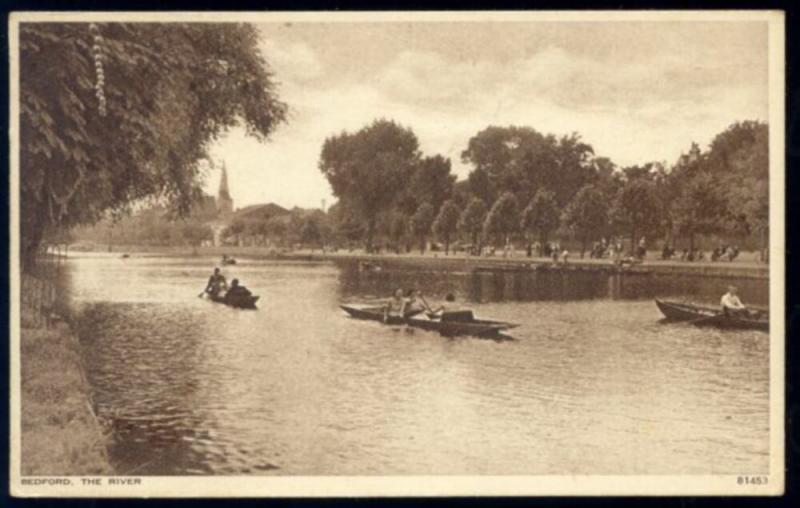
712	316
239	302
448	324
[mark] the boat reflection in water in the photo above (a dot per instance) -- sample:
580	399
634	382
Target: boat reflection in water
550	284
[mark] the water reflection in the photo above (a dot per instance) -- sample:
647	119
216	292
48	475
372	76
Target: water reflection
526	285
592	385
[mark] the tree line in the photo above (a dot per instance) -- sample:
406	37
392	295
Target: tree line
528	186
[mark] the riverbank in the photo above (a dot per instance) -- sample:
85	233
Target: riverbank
745	266
60	433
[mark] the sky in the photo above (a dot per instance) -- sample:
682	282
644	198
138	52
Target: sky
636	91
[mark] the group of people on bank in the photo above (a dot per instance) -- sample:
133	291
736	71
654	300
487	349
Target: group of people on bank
721	253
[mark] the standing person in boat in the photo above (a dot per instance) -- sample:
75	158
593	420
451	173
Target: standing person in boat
236	291
395	307
731	304
216	283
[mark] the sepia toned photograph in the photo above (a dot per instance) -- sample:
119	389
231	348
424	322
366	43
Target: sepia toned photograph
385	254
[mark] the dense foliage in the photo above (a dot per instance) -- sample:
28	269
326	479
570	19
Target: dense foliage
113	113
566	190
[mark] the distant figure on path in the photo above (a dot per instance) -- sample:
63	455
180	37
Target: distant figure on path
641	251
508	249
216	283
732	253
731	305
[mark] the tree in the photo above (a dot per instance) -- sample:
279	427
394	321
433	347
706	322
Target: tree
367	170
195	233
520	160
397	230
234	230
471	222
432	181
480	186
310	233
421	224
540	216
112	113
739	159
503	218
701	207
587	214
277	228
500	156
637	208
445	224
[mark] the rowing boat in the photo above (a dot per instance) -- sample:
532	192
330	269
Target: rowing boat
239	302
712	316
448	323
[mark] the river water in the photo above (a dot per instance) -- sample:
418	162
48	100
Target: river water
594	382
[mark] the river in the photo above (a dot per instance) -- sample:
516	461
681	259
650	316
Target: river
594	382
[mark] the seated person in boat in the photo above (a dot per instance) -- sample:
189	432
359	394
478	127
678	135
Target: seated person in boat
415	303
731	304
237	291
438	311
216	283
395	307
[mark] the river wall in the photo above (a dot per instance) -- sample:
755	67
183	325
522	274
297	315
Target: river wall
738	269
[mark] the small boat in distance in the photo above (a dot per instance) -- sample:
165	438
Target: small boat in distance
712	316
448	323
227	261
239	302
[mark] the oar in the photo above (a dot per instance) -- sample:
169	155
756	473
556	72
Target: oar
425	302
430	312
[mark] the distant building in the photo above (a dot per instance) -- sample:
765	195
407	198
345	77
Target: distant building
224	214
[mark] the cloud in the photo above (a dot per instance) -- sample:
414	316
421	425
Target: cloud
292	62
641	106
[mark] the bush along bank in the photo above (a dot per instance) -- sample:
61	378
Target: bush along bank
61	435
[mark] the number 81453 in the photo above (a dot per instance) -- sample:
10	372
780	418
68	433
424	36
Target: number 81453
752	480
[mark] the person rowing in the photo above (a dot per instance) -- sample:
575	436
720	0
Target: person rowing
732	305
415	303
216	283
395	307
438	311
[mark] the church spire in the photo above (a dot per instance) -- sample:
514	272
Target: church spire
224	200
223	184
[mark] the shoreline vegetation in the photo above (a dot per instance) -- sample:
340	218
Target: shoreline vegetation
745	266
61	434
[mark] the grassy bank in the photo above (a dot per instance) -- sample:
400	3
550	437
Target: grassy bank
60	433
